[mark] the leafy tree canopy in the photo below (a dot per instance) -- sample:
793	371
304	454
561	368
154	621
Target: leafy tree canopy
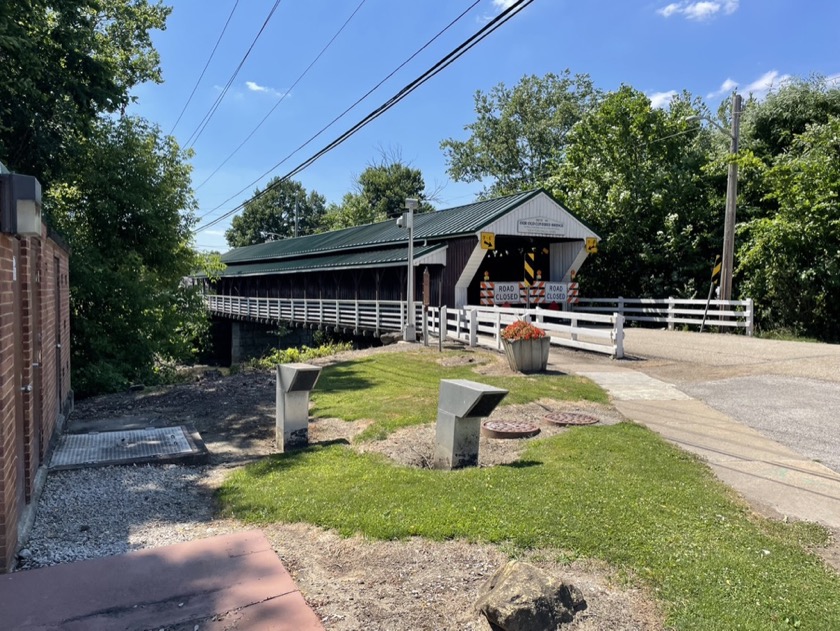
634	173
64	63
273	213
381	191
127	213
521	134
790	261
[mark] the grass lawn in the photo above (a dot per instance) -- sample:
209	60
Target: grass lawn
401	389
617	493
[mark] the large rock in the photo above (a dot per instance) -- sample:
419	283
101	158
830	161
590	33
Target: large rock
390	338
521	597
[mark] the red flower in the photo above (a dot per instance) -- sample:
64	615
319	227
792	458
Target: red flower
521	330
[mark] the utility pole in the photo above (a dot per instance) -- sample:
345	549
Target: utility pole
731	198
407	221
296	218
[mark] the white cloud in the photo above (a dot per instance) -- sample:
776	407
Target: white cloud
765	83
702	10
501	5
833	80
659	100
256	87
725	88
759	88
217	233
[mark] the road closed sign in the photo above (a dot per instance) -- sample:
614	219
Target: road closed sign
556	292
506	293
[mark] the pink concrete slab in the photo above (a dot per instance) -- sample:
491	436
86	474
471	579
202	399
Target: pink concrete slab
158	587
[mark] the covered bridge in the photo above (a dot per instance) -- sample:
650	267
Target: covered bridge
522	248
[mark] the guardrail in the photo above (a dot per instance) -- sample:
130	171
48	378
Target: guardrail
355	315
673	311
583	331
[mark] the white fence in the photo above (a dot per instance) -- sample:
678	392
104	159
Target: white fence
672	311
584	331
357	315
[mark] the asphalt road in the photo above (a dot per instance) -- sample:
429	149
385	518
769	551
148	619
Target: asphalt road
788	391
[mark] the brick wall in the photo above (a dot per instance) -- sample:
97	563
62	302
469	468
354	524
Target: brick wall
35	392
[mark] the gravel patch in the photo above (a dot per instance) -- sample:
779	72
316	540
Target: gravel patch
90	513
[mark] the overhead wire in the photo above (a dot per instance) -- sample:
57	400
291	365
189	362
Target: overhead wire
439	66
461	49
206	65
193	138
283	97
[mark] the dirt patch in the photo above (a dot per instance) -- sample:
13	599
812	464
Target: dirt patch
356	583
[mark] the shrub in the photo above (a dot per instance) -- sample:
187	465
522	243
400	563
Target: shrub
522	330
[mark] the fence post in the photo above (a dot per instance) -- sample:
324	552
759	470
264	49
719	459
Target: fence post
425	313
573	322
444	323
621	305
473	327
618	336
750	316
498	330
670	318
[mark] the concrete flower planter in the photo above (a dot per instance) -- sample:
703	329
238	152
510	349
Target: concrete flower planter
527	355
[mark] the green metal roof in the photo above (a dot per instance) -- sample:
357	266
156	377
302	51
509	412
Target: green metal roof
389	257
438	225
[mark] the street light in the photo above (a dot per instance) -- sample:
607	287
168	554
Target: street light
727	262
407	221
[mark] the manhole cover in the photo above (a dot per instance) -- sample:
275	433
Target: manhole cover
509	429
571	418
128	446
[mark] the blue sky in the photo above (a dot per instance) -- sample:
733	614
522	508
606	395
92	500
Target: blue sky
708	47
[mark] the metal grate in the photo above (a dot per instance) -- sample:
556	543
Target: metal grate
121	447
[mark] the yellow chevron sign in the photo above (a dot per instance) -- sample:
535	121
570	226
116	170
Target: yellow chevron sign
591	245
488	241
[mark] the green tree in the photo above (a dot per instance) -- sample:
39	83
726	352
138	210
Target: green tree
635	174
520	135
790	261
274	212
128	213
64	63
381	191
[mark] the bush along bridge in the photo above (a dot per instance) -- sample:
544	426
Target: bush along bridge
475	269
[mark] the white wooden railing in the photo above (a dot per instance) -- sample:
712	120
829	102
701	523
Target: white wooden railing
673	311
483	325
374	315
473	325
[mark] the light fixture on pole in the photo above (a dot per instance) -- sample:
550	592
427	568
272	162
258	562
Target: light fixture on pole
20	204
728	259
407	221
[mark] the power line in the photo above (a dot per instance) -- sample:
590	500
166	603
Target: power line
209	59
443	63
283	97
209	115
344	113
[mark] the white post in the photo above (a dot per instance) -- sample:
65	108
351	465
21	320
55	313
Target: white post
444	324
750	315
473	327
670	318
425	326
498	330
618	336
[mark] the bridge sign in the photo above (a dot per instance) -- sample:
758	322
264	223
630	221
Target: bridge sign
506	293
556	292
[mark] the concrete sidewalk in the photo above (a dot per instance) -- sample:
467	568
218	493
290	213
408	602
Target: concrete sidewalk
228	582
766	473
